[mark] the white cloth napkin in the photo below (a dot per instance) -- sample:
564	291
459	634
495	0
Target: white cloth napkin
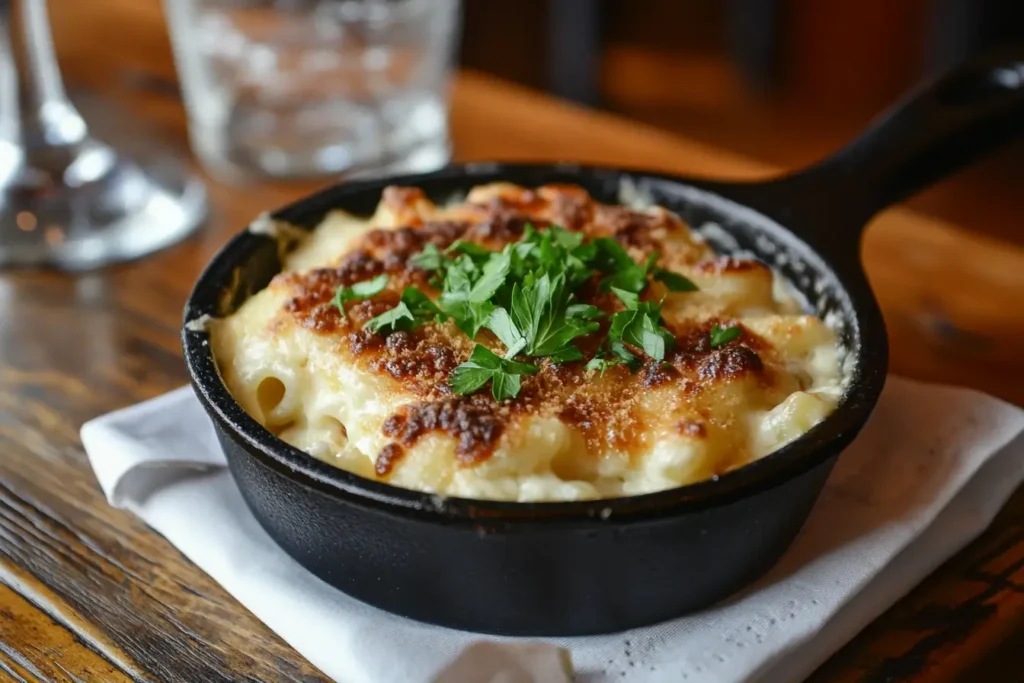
927	475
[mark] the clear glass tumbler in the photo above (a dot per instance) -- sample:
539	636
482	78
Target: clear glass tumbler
306	88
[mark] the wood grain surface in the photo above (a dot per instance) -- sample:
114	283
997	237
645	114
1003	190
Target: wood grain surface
88	593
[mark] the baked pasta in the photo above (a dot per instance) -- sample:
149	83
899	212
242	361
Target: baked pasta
526	345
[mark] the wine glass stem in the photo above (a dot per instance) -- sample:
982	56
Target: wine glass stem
45	117
10	125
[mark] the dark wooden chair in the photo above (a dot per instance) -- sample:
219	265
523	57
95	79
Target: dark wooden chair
575	33
962	27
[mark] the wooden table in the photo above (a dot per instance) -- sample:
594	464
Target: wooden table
90	593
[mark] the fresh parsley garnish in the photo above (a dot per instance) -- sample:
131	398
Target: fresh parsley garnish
556	251
474	251
641	327
485	366
526	295
623	272
505	329
492	277
584	311
620	355
468	289
413	310
540	310
359	290
674	281
601	364
723	335
628	299
627	275
625	356
429	259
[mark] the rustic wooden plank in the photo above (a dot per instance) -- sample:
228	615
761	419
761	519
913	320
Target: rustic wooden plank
130	587
12	671
74	347
36	646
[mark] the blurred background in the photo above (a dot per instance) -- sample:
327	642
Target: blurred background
782	81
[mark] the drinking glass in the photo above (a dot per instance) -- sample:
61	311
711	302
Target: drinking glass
305	88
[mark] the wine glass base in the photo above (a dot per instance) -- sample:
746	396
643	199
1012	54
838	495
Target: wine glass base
120	209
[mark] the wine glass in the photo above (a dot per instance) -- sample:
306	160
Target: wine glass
67	199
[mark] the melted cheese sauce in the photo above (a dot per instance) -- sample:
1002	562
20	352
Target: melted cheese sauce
380	407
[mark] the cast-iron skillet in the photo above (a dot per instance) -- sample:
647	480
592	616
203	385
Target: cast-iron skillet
606	565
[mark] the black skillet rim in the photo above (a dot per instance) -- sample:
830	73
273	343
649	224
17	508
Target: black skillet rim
867	377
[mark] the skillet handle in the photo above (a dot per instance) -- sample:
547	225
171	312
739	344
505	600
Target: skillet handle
937	129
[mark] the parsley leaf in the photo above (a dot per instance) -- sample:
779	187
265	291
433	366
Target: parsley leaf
625	356
469	317
565	238
620	321
624	273
601	364
620	355
610	256
674	281
723	335
429	259
500	323
368	288
492	277
627	275
584	311
473	251
464	297
413	310
504	385
641	327
485	366
461	275
540	311
629	299
653	339
470	377
398	318
359	290
566	354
